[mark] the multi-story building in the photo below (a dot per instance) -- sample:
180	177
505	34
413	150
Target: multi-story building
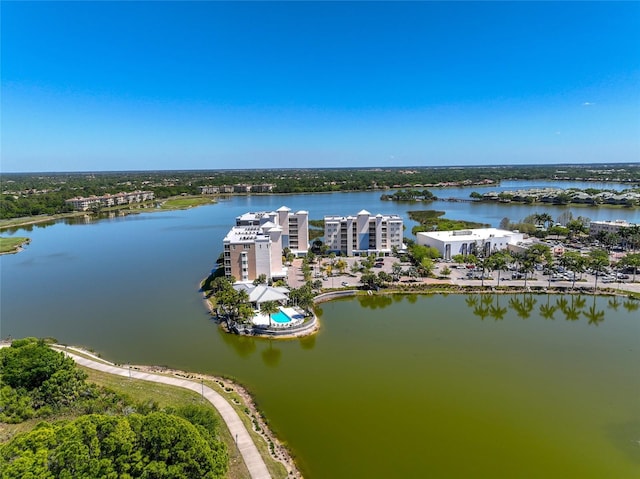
255	245
250	251
83	204
363	233
596	227
295	227
209	190
465	242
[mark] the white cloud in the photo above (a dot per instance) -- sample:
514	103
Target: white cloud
588	103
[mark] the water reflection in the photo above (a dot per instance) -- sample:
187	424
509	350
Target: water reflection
595	316
496	311
547	311
631	305
374	301
271	356
524	306
308	342
245	346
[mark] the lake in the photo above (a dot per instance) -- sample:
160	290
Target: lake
409	386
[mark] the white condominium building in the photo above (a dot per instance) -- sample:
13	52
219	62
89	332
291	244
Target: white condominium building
250	251
474	241
81	203
255	245
363	233
596	227
295	227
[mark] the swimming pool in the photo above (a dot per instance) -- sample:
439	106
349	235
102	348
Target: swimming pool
280	317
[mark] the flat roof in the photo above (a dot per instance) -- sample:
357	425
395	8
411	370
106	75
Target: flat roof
469	234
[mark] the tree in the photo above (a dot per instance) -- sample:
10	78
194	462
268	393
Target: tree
535	255
598	261
262	279
268	308
499	262
302	296
396	271
426	266
575	228
156	445
573	261
631	260
385	277
370	280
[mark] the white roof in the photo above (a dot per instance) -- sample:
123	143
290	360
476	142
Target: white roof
470	234
262	293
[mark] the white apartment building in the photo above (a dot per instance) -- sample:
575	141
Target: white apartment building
464	242
250	251
254	246
596	227
295	227
81	203
363	233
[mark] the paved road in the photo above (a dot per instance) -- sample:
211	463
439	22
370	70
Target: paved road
246	446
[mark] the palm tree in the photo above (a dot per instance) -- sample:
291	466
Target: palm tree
574	262
598	262
631	260
546	219
634	236
396	271
268	308
499	261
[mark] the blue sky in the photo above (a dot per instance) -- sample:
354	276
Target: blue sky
206	85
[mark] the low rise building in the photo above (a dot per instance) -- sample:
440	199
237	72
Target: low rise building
81	203
472	241
209	190
596	227
363	233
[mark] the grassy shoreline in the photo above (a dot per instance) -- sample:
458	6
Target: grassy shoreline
13	245
168	204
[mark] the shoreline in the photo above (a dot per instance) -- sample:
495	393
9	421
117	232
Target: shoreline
294	335
17	223
225	386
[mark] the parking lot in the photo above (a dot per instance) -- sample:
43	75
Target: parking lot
460	275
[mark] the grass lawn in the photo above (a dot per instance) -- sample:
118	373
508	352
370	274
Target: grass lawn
185	202
10	245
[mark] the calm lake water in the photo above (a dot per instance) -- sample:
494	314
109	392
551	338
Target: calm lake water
406	386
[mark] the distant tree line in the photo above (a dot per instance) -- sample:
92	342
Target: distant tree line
44	193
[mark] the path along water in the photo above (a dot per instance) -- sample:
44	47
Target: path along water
252	459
